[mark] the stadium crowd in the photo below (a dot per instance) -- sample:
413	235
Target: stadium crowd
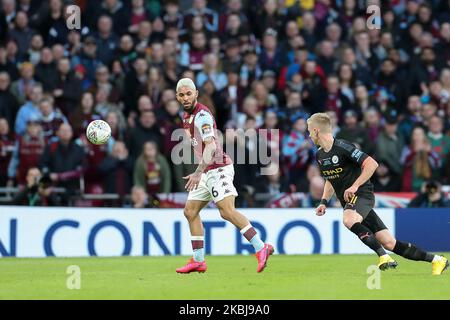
258	64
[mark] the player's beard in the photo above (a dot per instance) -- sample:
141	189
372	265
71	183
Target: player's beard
188	108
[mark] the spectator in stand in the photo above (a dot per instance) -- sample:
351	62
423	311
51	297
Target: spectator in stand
334	100
46	70
354	133
232	7
51	118
29	110
362	99
126	54
27	151
155	85
263	97
270	57
64	161
250	69
8	102
270	184
170	121
21	88
117	123
440	143
296	151
192	54
139	198
38	191
234	28
199	8
6	150
385	180
412	117
372	121
172	16
347	81
268	17
152	171
314	85
107	40
314	195
420	162
21	34
212	72
102	81
86	61
334	122
118	13
146	129
68	88
430	196
116	170
137	14
389	144
249	109
83	114
103	106
50	22
135	84
144	104
326	59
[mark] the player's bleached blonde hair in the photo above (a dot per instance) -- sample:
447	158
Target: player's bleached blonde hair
320	120
186	82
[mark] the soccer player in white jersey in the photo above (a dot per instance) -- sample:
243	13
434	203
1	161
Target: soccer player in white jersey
212	180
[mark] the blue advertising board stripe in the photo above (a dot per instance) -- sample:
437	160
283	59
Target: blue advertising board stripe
427	228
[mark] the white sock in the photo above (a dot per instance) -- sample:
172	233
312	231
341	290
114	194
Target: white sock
199	254
255	240
436	258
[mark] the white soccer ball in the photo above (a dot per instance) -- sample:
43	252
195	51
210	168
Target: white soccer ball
98	132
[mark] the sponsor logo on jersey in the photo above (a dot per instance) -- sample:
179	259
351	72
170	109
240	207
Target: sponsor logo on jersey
206	128
357	154
332	171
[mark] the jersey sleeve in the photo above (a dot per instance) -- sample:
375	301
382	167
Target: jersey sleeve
204	123
353	153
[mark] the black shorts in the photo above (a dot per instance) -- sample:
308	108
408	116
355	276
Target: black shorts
373	222
361	203
364	206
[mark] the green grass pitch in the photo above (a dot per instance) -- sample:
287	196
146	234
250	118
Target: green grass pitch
228	277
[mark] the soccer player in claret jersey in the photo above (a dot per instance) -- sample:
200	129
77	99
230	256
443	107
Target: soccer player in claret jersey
213	180
347	171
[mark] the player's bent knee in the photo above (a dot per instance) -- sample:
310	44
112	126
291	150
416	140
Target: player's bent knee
225	214
190	213
349	220
388	244
351	217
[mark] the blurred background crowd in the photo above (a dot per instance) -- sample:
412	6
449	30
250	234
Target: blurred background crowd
258	64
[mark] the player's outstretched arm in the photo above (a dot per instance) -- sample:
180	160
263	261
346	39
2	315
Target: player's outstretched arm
328	192
368	168
208	154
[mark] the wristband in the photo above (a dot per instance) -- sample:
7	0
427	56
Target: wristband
324	202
